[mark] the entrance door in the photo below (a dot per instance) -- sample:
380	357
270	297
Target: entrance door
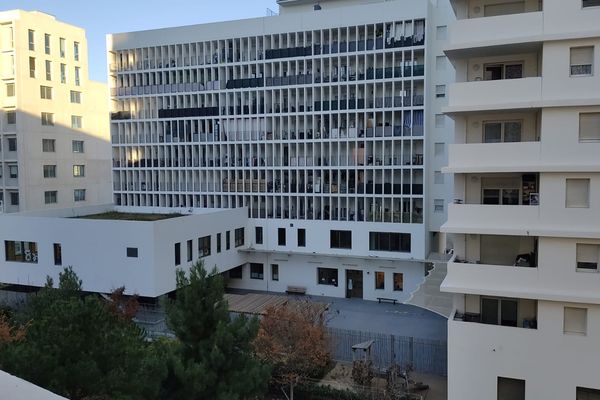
354	283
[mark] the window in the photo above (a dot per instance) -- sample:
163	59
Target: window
441	32
506	197
582	61
46	92
51	197
47	119
502	131
48	145
340	239
204	249
177	253
77	146
256	271
57	254
14	198
46	43
587	393
327	276
62	45
227	240
78	171
274	272
190	250
218	242
589	127
11	117
10	90
75	97
440	63
258	234
438	205
77	78
63	73
76	51
76	122
48	70
575	321
510	389
25	252
587	257
440	91
379	280
79	194
440	120
504	8
32	67
31	37
281	236
301	237
578	193
398	281
495	311
510	70
237	272
132	252
13	171
389	241
12	144
239	237
49	171
439	149
438	177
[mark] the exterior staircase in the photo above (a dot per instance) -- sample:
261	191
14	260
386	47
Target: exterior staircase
428	294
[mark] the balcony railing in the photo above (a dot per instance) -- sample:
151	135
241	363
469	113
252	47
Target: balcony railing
528	323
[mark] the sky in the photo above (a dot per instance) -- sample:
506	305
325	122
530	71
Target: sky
100	17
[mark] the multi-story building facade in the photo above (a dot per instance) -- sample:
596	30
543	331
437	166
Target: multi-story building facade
525	223
54	129
316	120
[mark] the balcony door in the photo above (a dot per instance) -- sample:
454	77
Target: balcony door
496	311
497	71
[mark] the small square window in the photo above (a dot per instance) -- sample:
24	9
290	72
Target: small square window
440	91
77	146
12	144
79	195
578	193
439	149
509	388
582	61
575	321
46	92
13	171
132	252
51	197
204	247
589	127
440	120
78	171
10	89
49	171
379	280
256	271
76	122
11	117
75	97
438	205
588	256
47	119
48	145
14	198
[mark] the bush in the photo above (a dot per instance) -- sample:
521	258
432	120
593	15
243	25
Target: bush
312	391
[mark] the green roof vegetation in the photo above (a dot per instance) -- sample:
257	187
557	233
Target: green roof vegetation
122	216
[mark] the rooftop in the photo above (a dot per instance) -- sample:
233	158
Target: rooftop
125	216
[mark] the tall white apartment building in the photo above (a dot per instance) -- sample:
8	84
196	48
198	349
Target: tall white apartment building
525	223
316	120
54	129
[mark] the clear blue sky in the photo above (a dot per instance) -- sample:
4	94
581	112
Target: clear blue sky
99	17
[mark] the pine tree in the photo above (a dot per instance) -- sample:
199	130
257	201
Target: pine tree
213	356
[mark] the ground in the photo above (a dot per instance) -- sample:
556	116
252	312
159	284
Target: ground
113	215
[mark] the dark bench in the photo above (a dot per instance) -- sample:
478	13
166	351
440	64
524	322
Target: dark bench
380	299
296	290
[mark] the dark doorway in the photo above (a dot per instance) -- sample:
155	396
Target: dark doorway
354	284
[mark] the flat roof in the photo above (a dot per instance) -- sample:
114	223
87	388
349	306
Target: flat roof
129	216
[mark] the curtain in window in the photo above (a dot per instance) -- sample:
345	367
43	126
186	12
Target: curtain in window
419	30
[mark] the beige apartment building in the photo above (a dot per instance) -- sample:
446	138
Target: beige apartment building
54	131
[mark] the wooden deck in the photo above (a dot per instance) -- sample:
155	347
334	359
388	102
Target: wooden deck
257	303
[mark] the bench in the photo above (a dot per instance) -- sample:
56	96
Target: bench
296	290
380	299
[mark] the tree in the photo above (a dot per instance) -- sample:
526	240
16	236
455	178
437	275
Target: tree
213	357
292	339
77	347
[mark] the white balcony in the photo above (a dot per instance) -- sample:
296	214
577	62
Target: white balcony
494	157
505	94
492	219
494	31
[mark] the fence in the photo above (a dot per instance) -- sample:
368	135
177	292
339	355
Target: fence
425	355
